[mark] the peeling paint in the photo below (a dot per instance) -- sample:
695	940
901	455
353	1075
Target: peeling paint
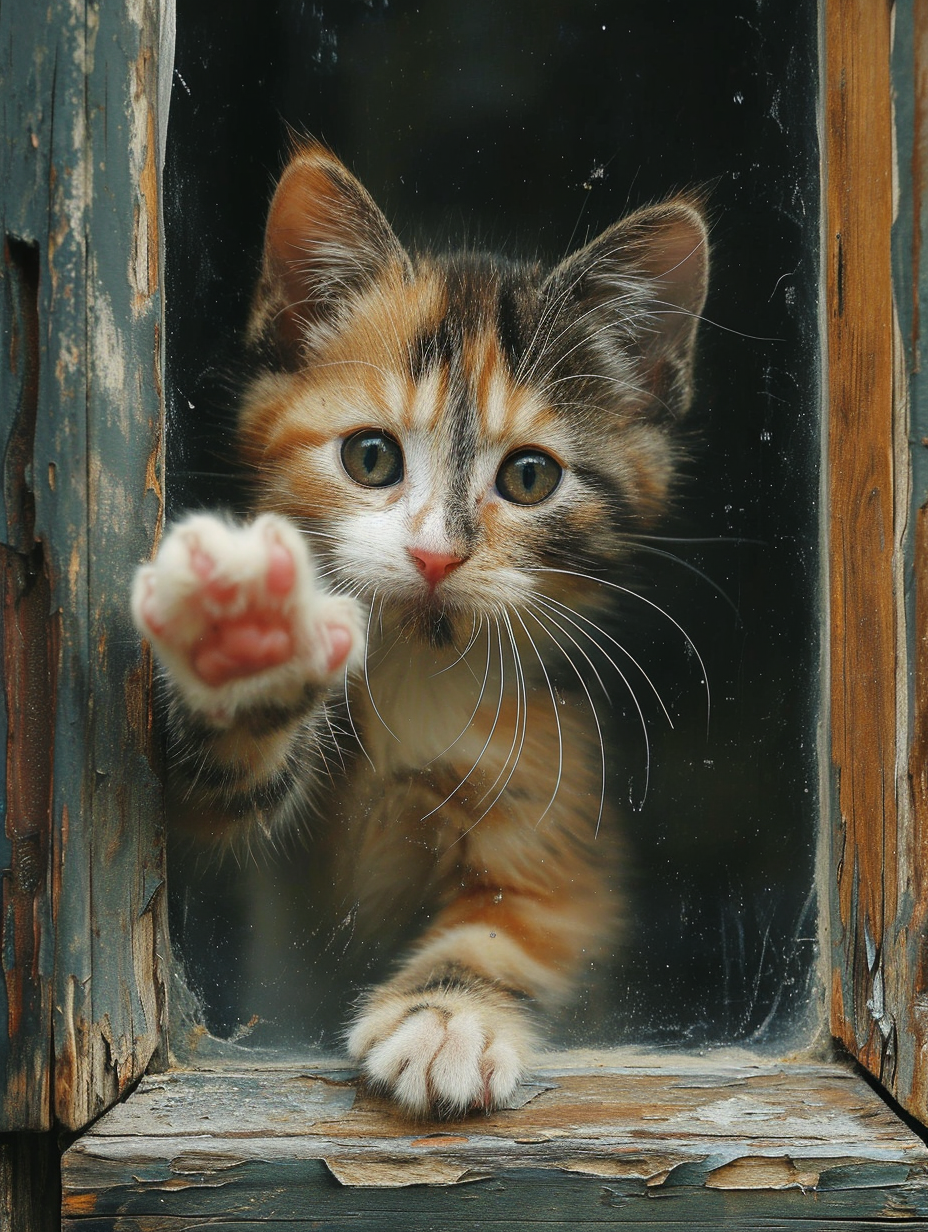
762	1172
652	1169
99	426
80	1204
109	351
369	1172
144	164
199	1163
257	1155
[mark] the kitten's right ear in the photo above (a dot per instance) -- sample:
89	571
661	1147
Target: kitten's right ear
638	292
325	241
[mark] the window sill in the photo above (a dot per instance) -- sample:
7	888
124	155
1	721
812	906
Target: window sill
719	1140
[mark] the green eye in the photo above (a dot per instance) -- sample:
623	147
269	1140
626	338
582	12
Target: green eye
528	477
372	458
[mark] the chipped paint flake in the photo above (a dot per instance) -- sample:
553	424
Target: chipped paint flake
652	1169
375	1173
109	350
762	1172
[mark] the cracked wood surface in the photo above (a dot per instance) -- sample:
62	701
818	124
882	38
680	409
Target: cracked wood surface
82	922
875	147
907	991
862	529
649	1142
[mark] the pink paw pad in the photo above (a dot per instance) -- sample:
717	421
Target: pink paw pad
340	646
240	648
233	647
237	604
281	571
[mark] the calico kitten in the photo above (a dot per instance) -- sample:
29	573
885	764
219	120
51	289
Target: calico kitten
448	453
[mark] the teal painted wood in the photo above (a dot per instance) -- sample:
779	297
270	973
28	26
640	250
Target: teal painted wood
742	1213
723	1143
81	423
901	1041
305	1195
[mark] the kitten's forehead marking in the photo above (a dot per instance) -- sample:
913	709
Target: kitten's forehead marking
426	405
464	376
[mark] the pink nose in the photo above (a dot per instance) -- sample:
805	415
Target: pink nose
435	565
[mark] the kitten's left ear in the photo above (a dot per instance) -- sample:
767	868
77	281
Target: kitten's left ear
325	241
640	287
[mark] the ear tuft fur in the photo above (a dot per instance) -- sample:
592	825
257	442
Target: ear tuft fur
325	241
640	287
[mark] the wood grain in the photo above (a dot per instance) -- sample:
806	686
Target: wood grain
28	638
30	1189
863	532
80	427
909	968
878	476
649	1142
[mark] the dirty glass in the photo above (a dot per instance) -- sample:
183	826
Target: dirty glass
529	126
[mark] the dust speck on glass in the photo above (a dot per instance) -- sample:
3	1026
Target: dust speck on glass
529	128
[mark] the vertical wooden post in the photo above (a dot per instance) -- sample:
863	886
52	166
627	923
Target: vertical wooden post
862	529
876	155
909	986
82	993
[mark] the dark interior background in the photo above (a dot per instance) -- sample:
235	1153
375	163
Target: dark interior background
530	125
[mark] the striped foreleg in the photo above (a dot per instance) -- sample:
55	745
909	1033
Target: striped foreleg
251	647
524	913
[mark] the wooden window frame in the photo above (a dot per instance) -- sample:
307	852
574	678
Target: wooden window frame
874	285
82	929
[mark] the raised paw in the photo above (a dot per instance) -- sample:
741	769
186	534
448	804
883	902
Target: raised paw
235	614
443	1052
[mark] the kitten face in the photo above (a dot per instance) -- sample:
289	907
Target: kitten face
447	430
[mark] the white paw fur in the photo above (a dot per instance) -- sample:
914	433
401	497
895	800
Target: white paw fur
175	604
446	1051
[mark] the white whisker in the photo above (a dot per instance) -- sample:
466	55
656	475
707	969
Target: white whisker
657	608
367	679
599	730
557	720
568	613
533	603
610	326
739	539
666	309
466	727
353	728
499	706
521	698
643	547
474	634
641	720
547	318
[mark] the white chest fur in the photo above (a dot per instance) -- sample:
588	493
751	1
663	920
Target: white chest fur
418	701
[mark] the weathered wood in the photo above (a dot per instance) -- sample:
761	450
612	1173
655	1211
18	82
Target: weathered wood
644	1143
863	528
30	1190
27	682
910	973
908	989
80	422
878	408
418	1215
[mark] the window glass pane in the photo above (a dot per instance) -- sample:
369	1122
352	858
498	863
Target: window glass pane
529	128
